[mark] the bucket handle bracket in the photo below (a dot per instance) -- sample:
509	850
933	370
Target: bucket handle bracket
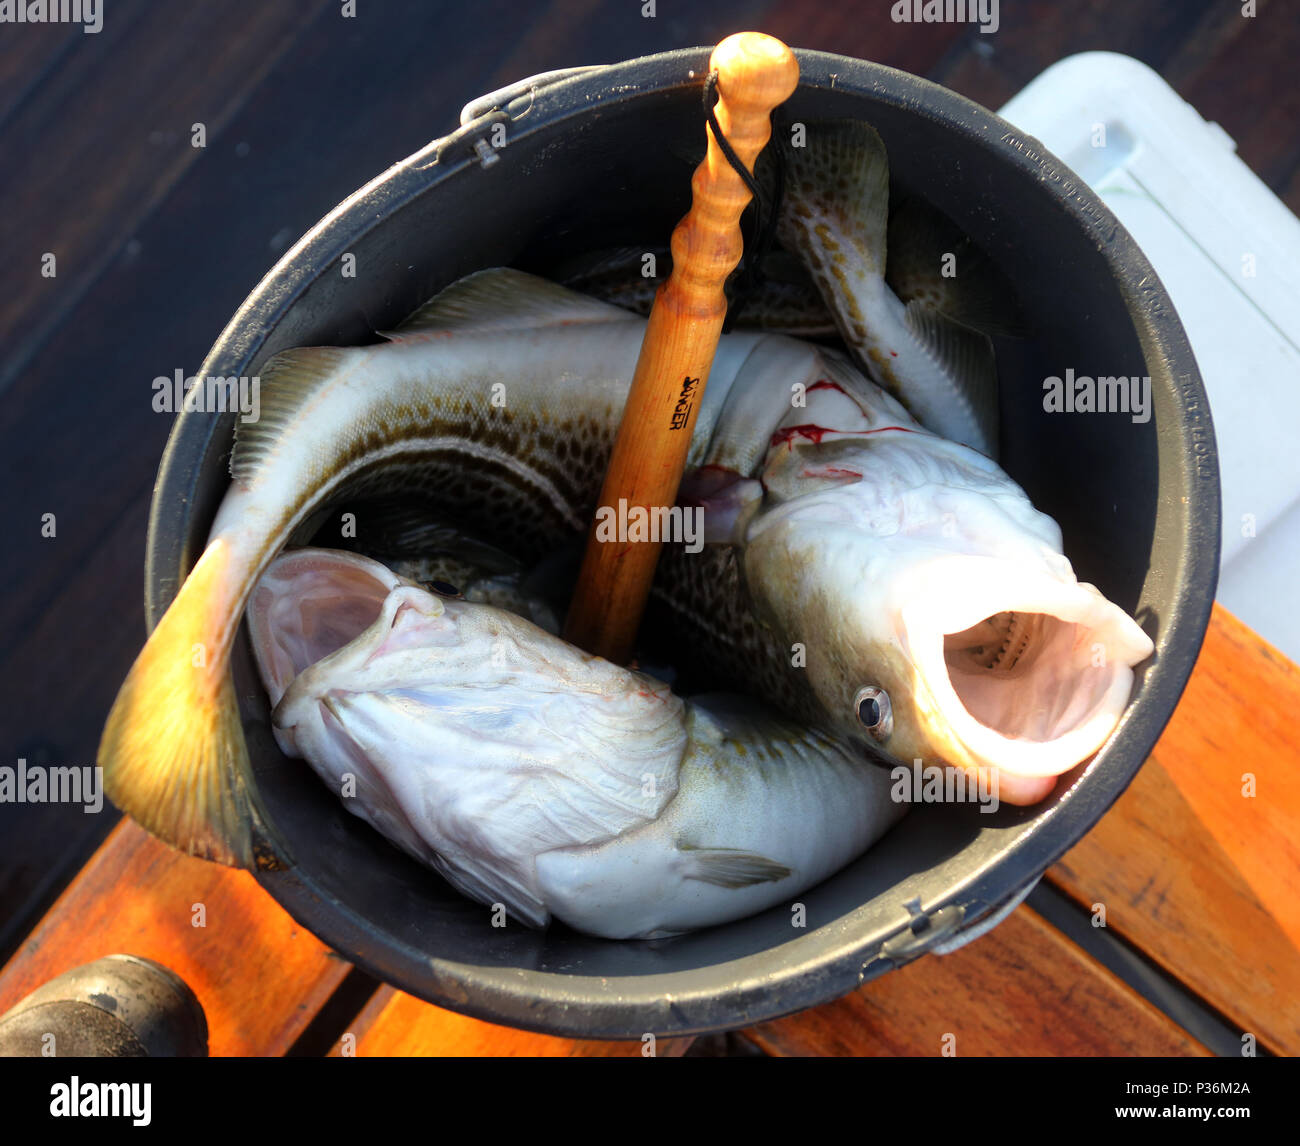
478	117
941	932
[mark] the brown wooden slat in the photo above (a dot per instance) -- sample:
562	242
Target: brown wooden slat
1231	68
1203	879
1033	34
1246	86
862	31
396	1024
571	32
259	976
44	46
1021	990
120	106
78	435
1219	26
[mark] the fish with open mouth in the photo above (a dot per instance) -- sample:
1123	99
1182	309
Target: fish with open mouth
890	589
531	774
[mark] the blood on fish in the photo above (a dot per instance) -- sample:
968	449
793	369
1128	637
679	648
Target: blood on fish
814	434
788	433
827	471
823	384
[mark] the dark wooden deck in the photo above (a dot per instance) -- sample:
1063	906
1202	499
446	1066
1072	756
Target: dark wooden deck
157	242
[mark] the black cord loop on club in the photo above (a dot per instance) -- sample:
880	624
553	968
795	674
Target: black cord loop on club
760	238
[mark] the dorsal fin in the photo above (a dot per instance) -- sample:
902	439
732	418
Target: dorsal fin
504	299
286	381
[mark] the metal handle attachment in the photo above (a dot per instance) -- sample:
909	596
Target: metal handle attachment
522	92
505	105
941	932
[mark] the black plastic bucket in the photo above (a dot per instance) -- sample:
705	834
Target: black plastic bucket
601	158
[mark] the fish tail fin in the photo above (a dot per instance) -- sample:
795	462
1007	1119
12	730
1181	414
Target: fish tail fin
172	752
837	176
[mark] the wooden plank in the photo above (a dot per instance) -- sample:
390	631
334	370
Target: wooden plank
1227	65
1034	34
86	170
258	975
1243	86
80	438
44	47
397	1024
1202	878
868	34
1021	990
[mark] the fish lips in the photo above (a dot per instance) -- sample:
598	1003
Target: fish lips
412	625
310	603
1036	720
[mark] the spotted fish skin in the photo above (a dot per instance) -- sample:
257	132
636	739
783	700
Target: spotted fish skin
499	402
784	301
939	363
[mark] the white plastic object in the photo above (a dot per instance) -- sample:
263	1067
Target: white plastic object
1228	252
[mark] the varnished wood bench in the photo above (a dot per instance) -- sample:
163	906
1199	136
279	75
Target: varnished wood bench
1201	878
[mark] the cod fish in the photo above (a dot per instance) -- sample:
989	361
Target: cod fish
912	297
531	774
933	610
786	301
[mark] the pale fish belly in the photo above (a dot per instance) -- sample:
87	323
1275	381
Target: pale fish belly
749	787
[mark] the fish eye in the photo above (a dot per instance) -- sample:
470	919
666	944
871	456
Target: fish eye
875	713
443	588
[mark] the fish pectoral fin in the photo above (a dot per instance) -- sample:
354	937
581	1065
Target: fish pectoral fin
730	867
931	260
966	356
504	299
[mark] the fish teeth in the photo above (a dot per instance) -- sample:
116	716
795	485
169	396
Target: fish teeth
1020	632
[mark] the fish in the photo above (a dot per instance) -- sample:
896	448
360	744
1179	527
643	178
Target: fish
535	776
784	301
912	297
413	543
900	589
870	579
